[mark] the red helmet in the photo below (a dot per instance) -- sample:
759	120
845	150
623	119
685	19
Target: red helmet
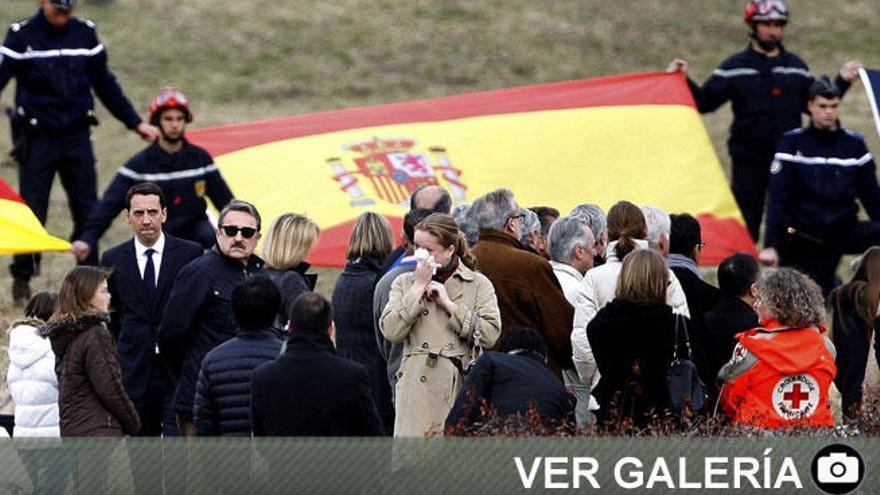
166	99
766	10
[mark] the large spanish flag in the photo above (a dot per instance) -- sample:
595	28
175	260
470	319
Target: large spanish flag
20	231
637	137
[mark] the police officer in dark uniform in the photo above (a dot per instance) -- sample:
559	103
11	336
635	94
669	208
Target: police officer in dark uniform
57	60
185	172
818	172
767	87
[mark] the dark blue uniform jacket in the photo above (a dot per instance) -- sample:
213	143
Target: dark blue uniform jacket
185	177
55	70
815	179
768	95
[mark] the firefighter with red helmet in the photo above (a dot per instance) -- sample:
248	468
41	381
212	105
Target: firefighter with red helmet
768	90
185	172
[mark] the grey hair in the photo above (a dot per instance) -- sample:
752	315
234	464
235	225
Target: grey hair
594	216
466	224
565	234
492	210
658	224
241	206
791	297
531	224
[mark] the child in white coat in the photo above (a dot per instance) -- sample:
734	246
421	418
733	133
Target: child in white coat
31	377
34	388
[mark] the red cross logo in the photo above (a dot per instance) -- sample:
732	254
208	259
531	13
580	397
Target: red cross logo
795	396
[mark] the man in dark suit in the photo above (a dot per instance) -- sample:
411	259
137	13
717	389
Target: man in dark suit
144	269
309	391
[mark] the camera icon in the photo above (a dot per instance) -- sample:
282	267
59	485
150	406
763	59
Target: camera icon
837	467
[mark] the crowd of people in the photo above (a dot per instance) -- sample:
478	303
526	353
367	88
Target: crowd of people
486	307
435	334
479	311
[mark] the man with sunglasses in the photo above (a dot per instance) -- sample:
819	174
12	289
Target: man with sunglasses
767	87
57	60
185	172
198	316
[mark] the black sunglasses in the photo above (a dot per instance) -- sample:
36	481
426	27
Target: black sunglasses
233	230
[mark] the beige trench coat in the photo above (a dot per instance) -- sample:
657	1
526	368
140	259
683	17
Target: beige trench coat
426	386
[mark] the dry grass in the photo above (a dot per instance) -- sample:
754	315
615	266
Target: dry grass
249	59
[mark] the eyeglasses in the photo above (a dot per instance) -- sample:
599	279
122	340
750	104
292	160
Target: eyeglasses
233	230
521	216
701	244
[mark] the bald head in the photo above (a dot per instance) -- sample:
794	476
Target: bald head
433	198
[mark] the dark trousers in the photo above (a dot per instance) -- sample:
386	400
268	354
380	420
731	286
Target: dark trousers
156	410
749	184
156	406
71	157
817	253
852	359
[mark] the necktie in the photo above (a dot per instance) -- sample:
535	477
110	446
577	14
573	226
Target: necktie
150	276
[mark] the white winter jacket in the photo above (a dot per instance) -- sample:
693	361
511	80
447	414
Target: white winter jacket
572	283
601	283
32	382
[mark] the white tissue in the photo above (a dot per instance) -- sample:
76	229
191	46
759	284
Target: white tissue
422	255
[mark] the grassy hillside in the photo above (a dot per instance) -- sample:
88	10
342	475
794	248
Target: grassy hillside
250	59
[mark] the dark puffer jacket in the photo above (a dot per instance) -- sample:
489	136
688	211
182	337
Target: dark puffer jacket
223	393
91	400
511	384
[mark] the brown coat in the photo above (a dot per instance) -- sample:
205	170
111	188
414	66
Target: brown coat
91	400
529	294
426	388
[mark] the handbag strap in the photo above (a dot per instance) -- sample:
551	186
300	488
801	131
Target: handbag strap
679	322
476	335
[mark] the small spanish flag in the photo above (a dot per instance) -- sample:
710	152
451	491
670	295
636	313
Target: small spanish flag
637	137
871	80
20	231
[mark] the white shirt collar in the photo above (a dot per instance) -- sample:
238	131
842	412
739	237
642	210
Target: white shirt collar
158	247
566	268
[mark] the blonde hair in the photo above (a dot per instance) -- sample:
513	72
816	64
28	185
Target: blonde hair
643	277
371	237
288	241
443	227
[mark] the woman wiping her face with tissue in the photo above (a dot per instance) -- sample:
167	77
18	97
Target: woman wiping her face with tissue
444	312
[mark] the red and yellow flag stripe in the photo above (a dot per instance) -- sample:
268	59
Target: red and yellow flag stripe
20	231
636	137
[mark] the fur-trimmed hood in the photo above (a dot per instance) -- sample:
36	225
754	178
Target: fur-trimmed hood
62	331
26	346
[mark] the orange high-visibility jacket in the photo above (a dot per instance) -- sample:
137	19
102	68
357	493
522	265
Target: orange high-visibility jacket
779	377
